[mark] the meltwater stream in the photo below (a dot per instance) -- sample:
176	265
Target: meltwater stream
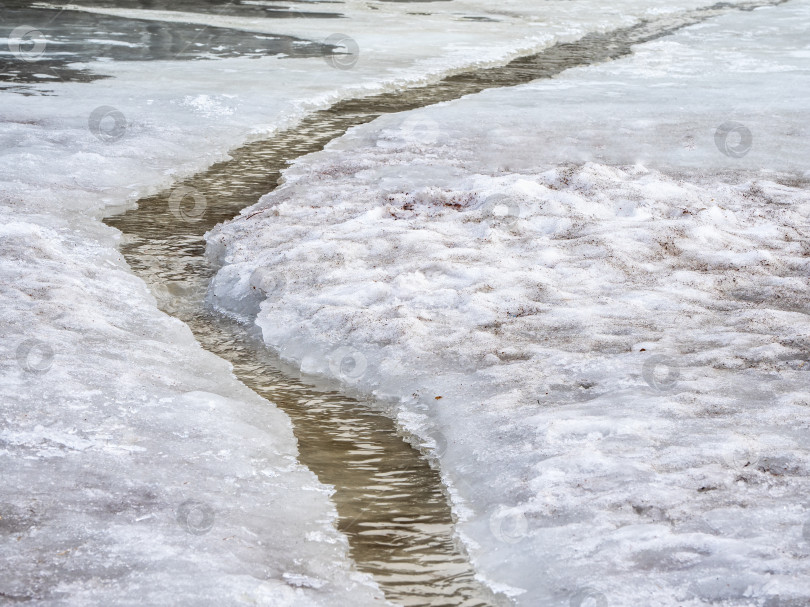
390	501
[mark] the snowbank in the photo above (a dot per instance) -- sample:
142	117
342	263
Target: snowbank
136	469
609	359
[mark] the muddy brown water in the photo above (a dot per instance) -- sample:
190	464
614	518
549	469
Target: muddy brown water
390	500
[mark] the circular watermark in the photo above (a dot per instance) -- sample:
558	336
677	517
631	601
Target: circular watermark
263	593
439	447
347	363
26	43
733	139
107	123
661	372
588	597
268	282
741	454
501	208
508	525
35	356
171	295
180	194
344	52
420	130
195	517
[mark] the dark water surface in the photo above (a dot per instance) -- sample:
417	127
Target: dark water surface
79	37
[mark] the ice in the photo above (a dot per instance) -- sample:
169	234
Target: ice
588	296
178	117
136	469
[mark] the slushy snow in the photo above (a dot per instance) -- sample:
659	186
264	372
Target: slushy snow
137	470
588	297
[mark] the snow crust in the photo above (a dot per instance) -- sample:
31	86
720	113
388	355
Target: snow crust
179	117
136	469
589	299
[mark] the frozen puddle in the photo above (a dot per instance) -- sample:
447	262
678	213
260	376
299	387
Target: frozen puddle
390	501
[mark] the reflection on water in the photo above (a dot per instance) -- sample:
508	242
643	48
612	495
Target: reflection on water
389	500
239	8
72	37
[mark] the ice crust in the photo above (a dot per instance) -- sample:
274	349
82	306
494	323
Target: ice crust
136	469
593	313
121	440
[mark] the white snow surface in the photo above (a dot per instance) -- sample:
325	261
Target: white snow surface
122	441
180	117
593	312
136	469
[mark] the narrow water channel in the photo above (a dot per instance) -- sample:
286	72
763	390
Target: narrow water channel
390	501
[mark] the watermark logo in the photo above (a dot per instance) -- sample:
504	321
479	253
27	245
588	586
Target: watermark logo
344	52
35	356
179	195
107	123
508	525
420	130
439	446
268	282
195	517
588	597
348	364
733	139
171	295
502	209
741	454
26	43
661	372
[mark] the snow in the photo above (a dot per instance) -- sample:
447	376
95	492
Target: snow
588	298
123	441
136	469
182	116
